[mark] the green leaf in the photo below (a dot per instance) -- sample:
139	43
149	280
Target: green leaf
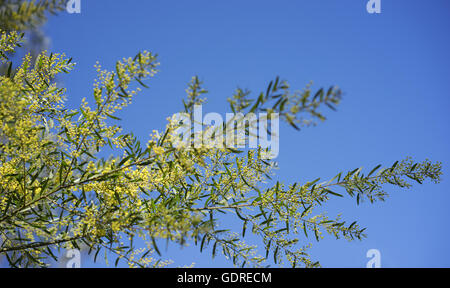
8	73
268	248
373	170
333	193
214	250
351	225
140	82
202	243
155	246
113	117
275	255
117	261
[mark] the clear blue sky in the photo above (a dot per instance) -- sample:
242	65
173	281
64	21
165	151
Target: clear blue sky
393	67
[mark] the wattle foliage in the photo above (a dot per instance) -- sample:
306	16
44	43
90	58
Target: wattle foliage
58	192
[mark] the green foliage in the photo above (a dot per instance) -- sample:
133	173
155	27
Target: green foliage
28	16
56	192
296	108
20	15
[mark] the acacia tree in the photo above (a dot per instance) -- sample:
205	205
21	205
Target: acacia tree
58	191
20	15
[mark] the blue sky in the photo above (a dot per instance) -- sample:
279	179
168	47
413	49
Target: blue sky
393	67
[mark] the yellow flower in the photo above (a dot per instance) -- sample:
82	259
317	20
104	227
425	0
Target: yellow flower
158	150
